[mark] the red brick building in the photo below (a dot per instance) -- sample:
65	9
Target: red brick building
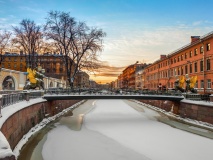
194	59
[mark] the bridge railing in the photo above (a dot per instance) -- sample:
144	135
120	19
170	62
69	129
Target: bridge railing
62	91
190	96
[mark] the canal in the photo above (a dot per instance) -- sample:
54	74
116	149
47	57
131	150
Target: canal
117	129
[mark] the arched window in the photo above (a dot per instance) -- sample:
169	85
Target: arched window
51	84
8	83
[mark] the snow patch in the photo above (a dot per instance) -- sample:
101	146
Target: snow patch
5	150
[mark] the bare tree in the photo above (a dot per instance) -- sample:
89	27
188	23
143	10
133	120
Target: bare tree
28	37
88	42
4	41
78	43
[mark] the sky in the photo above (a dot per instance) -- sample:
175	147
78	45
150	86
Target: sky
137	30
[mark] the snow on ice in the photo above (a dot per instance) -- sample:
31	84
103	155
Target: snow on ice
114	130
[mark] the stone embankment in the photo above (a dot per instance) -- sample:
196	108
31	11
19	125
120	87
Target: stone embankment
19	118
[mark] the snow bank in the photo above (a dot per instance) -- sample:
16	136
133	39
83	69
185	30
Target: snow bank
5	150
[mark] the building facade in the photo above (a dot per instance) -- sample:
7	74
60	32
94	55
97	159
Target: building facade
82	80
52	63
193	59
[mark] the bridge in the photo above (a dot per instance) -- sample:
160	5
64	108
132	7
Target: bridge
106	96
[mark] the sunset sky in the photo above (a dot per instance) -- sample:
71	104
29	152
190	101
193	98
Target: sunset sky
137	30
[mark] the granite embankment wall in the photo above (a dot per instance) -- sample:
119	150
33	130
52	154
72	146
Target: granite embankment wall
197	110
23	120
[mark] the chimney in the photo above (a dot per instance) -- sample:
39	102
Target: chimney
162	57
194	38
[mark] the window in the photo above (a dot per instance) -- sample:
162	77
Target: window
201	65
181	70
190	68
21	65
208	83
195	66
15	65
8	65
15	59
196	84
208	46
208	66
169	74
181	57
190	54
201	49
201	84
195	51
178	58
186	69
175	60
185	55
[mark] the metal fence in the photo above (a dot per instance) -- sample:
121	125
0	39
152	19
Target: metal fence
12	98
9	99
197	97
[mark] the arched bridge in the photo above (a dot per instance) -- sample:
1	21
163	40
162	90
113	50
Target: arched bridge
94	96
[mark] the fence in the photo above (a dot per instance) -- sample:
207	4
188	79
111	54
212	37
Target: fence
197	97
9	99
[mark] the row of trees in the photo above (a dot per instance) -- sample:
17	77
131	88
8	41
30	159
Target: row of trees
78	43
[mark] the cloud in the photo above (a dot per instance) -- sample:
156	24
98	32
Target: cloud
197	23
26	8
106	70
147	44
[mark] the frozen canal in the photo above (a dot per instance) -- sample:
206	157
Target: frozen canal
112	130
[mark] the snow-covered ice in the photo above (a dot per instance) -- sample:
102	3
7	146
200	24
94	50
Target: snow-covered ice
114	130
39	126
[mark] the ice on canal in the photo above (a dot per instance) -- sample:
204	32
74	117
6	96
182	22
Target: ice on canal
113	130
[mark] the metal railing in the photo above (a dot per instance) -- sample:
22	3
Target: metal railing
12	98
108	92
197	97
9	99
189	96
